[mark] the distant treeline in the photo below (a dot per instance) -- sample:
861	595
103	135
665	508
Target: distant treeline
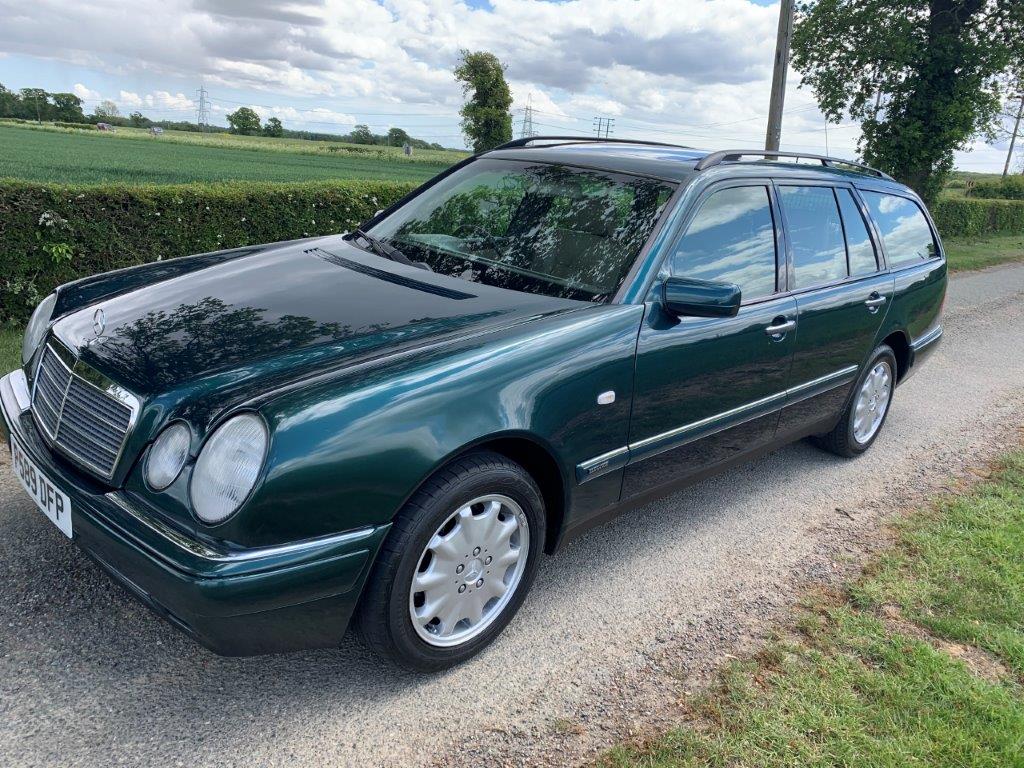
37	104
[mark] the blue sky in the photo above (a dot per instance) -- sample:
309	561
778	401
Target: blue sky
692	71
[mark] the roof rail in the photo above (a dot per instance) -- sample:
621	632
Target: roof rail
733	155
527	140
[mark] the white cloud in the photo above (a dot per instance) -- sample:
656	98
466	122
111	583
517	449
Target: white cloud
695	71
129	99
168	101
319	119
84	93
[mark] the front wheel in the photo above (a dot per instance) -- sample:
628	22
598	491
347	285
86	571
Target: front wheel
865	413
458	562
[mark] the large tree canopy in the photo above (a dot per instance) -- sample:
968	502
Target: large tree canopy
922	77
486	119
244	121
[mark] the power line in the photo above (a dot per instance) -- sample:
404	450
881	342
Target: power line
527	129
603	124
202	112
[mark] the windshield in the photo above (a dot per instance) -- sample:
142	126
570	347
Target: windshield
549	229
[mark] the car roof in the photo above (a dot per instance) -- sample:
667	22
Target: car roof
678	164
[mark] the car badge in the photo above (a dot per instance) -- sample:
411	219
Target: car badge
99	322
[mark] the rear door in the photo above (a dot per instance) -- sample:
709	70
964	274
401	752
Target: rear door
709	390
837	276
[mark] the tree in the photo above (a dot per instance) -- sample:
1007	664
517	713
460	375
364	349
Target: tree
921	78
10	103
361	135
35	103
244	121
486	120
106	109
139	120
273	128
397	137
67	108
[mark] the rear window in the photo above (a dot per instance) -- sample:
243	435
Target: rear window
858	242
903	226
815	235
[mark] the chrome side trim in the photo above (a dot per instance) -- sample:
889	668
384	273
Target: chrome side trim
822	384
674	438
929	338
705	427
201	550
603	464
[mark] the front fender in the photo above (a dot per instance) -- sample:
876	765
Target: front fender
349	452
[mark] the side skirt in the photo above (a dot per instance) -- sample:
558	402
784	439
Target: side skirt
667	489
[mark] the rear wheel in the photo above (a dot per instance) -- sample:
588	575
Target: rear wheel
457	564
866	412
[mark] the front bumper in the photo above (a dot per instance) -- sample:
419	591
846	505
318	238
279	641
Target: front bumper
235	602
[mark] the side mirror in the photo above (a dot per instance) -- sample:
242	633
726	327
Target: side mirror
685	296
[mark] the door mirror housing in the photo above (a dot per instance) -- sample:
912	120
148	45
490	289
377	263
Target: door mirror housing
688	297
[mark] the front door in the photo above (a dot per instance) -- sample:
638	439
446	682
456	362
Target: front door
841	295
710	389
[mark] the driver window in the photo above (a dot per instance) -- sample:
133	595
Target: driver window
731	240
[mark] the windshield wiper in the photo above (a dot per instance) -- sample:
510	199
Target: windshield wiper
385	250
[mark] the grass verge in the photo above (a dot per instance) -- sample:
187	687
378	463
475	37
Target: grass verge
966	253
10	348
920	662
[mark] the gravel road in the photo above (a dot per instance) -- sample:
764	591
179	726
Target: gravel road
89	677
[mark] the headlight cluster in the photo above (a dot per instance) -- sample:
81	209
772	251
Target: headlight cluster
226	471
167	456
228	467
36	329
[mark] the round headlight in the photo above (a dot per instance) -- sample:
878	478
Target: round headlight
36	328
167	456
228	467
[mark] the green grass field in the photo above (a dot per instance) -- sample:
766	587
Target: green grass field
920	663
134	157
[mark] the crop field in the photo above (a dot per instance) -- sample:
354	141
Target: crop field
134	157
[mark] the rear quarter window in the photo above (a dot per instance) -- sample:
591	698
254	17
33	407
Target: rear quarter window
905	231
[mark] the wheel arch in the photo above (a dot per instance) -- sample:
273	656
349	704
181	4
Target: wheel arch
533	455
900	344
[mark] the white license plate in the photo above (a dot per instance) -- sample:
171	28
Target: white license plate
53	502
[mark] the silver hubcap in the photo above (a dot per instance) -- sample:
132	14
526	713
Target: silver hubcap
872	402
469	570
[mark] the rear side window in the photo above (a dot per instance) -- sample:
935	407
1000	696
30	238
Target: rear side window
905	231
815	235
732	240
859	247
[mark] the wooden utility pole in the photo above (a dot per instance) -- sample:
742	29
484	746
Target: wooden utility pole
1016	127
771	141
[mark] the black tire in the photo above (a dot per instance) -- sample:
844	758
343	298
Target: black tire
383	617
841	440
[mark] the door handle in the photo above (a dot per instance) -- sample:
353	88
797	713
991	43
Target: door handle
874	301
777	328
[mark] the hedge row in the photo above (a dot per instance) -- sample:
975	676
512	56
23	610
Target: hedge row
1006	188
967	217
52	234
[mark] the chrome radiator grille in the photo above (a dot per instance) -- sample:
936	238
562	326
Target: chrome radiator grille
83	415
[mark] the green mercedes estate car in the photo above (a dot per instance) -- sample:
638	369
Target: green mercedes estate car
389	427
